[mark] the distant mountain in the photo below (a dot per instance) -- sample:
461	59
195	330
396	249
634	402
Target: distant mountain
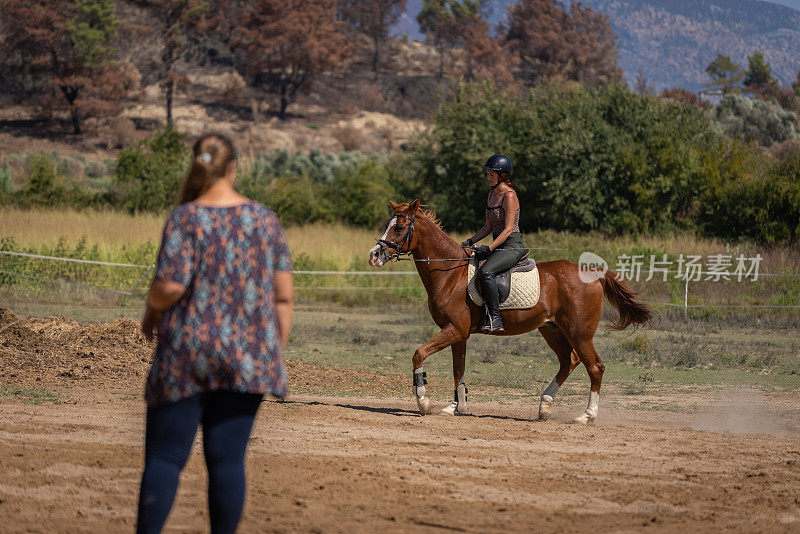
672	41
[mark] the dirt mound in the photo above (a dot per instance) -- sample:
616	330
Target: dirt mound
54	349
58	351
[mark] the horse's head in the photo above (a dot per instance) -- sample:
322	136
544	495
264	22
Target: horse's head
399	235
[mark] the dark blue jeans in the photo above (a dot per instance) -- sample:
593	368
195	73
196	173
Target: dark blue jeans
227	420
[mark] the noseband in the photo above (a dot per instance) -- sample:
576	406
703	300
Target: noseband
405	242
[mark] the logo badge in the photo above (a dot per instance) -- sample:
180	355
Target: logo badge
591	267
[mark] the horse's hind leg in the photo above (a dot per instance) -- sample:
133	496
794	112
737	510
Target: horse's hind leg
459	403
584	347
567	359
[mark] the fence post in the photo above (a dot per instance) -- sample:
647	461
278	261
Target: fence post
137	286
686	298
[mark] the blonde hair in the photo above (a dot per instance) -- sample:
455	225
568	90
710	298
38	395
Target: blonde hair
211	158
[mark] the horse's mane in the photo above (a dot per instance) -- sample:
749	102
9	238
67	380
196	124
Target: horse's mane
429	214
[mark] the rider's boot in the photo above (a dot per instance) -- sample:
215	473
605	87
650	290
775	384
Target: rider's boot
492	297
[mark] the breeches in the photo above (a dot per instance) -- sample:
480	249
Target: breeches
504	256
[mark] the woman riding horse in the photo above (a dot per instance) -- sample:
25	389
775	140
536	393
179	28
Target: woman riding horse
506	249
566	314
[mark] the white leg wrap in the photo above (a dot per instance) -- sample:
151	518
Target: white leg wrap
419	383
545	407
591	410
423	403
461	398
459	403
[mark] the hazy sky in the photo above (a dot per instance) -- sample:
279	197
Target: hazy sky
408	24
791	3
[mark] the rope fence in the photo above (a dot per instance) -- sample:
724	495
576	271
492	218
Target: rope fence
149	268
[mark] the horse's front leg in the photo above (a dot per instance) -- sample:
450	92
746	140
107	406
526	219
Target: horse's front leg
444	338
459	404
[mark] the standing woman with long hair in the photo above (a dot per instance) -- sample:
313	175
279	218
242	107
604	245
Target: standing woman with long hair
221	300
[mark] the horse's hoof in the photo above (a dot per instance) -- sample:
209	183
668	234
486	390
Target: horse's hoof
450	409
545	408
424	405
583	419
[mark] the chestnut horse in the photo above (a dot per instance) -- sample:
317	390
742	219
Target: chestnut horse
567	313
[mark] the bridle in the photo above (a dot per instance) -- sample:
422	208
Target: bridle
405	242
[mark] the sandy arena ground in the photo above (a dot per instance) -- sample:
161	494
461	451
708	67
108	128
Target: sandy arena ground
368	464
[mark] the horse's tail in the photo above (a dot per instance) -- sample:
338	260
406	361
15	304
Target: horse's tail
623	298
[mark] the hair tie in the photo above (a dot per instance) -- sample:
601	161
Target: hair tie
206	157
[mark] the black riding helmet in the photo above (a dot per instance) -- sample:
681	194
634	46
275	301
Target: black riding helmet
499	163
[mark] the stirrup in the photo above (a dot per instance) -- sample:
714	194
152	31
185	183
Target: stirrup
494	324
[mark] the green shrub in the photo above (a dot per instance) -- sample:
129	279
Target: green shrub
315	165
584	159
351	188
5	180
359	198
749	195
47	185
755	120
298	200
638	343
149	173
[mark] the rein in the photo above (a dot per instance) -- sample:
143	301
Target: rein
409	237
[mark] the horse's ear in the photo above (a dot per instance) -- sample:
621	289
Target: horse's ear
395	206
412	208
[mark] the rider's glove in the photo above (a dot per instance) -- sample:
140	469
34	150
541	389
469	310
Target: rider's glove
467	243
481	251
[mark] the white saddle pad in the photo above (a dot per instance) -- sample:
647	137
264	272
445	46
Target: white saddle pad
524	289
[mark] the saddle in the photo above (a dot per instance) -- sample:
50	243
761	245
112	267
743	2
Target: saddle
518	286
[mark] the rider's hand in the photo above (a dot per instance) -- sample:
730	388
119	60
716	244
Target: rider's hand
481	251
468	243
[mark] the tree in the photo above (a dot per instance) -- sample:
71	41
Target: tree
796	84
724	74
177	21
487	58
551	41
374	18
282	45
445	23
65	47
432	21
758	77
641	86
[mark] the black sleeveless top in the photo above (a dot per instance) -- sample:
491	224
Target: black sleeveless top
496	216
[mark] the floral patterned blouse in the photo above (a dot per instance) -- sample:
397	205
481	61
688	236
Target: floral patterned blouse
222	335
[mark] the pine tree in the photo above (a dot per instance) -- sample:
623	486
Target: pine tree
61	47
724	74
758	77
